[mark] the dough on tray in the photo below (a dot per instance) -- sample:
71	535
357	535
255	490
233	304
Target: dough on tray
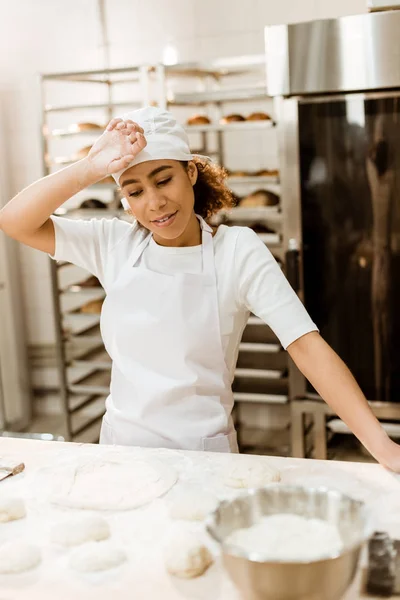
185	554
80	530
11	509
97	556
251	475
192	504
16	557
96	484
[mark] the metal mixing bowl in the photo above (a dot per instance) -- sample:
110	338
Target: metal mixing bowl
258	578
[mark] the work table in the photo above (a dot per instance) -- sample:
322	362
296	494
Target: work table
141	531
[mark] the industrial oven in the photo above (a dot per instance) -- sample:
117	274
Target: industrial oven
336	85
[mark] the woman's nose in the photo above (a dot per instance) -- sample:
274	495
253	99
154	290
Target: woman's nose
156	199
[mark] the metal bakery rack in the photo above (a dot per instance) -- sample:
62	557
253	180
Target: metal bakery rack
214	89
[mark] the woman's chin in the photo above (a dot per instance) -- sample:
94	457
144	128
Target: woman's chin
170	233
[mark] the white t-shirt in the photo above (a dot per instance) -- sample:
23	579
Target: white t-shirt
249	280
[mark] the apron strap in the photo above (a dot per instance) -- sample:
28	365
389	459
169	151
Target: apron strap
138	251
208	251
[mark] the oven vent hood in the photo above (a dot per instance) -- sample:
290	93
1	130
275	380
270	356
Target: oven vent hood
350	54
382	5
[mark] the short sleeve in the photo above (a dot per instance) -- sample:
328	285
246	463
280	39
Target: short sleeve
88	243
265	291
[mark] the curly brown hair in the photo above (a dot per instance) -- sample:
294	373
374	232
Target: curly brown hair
210	191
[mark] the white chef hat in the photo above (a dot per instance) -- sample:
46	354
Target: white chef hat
165	137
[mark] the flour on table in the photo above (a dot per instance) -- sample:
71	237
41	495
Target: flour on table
289	538
185	554
251	475
97	556
11	509
96	484
16	557
191	504
73	532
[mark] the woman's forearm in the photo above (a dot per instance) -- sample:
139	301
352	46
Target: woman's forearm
32	207
336	385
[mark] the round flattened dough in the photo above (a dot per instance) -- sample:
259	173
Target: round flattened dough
111	485
186	555
80	530
11	509
16	557
96	556
192	505
251	475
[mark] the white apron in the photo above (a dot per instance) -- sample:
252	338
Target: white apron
170	386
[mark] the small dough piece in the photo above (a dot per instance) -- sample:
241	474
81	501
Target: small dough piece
185	554
97	556
16	557
251	475
11	509
80	530
192	505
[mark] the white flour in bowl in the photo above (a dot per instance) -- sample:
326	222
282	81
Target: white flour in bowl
289	538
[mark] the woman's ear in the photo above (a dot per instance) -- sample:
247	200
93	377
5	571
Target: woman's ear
192	172
125	203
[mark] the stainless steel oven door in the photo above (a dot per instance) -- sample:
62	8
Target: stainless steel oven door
340	164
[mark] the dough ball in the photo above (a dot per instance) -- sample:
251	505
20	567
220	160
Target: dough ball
96	556
192	505
80	530
11	509
16	557
251	475
186	555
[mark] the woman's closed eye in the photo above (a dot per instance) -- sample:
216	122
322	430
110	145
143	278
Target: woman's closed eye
135	194
160	183
164	181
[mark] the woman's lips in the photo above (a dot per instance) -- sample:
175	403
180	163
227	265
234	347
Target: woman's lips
165	221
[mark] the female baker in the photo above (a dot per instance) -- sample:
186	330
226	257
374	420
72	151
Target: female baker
178	292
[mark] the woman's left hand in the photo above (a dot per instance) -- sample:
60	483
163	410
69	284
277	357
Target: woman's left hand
336	385
389	456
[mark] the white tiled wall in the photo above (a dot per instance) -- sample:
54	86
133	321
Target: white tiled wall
60	35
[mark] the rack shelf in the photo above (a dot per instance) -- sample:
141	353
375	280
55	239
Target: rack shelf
238	126
260	398
257	92
261	348
99	106
212	127
259	373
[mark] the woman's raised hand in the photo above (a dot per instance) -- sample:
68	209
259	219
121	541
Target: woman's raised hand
116	147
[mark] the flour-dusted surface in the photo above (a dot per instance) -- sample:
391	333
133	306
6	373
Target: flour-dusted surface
79	530
141	532
289	538
191	503
251	475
